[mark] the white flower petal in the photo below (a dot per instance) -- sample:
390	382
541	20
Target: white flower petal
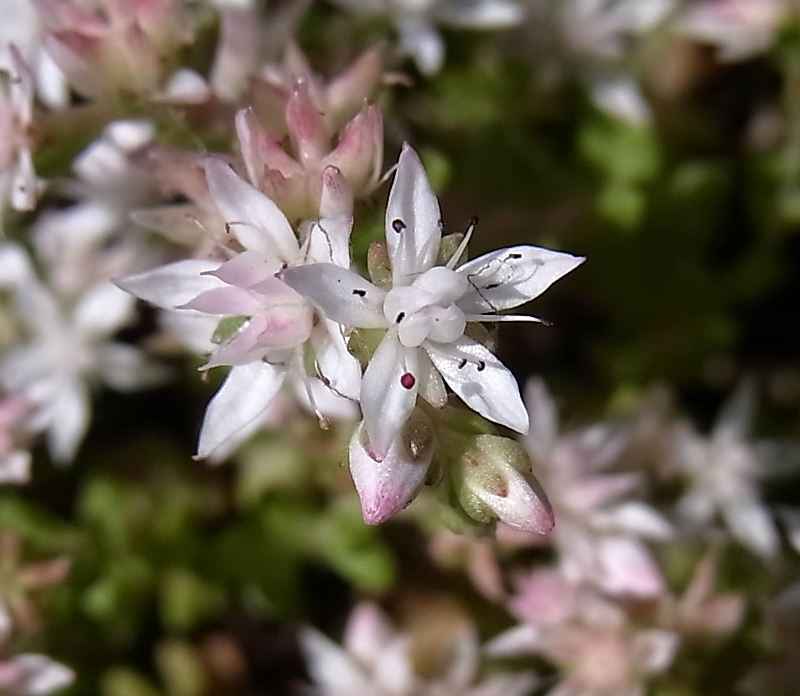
388	392
329	241
751	524
226	301
413	220
341	295
15	266
431	384
15	467
479	14
330	667
480	380
174	284
336	365
253	218
68	416
655	650
39	675
507	278
544	420
103	309
126	368
421	41
237	406
637	518
626	567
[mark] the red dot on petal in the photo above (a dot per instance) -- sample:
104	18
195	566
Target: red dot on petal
407	381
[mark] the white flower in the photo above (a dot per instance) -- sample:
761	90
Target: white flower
108	186
70	345
740	29
426	312
274	322
723	472
414	20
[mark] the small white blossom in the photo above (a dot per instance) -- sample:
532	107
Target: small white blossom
415	21
722	473
70	346
275	323
426	312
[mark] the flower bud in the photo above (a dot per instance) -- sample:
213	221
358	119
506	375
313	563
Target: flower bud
493	480
387	486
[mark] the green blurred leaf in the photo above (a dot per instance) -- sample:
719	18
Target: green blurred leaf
185	599
355	550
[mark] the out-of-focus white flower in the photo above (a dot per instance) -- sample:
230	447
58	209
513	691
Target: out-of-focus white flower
268	324
70	346
415	20
701	613
376	660
107	48
738	28
600	531
600	650
108	186
18	182
426	311
722	473
600	28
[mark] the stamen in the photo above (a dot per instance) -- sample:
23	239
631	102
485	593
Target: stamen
324	423
400	317
481	365
398	225
360	293
473	223
462	363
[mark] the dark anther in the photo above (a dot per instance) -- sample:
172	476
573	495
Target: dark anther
400	317
473	221
491	286
462	363
360	293
481	365
515	256
398	225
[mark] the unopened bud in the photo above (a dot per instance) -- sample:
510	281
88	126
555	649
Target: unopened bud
387	486
493	481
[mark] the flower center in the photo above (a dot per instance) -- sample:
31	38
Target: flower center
426	309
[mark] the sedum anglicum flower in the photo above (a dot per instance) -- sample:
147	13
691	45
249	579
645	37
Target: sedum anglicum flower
425	311
265	326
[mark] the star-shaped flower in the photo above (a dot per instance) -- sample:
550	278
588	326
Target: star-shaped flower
265	326
426	311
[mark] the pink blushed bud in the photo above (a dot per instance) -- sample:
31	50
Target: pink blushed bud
260	150
494	482
349	90
385	487
359	153
306	126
